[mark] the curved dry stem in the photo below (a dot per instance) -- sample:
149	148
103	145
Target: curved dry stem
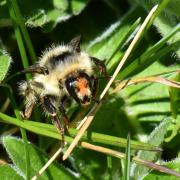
88	119
155	79
120	155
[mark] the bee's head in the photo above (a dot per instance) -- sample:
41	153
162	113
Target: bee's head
80	88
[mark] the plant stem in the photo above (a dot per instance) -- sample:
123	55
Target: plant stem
24	31
127	159
19	39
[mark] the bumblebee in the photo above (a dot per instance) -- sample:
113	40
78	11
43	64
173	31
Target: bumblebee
62	72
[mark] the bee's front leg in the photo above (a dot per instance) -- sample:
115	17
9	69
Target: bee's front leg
100	65
30	99
52	112
95	86
63	111
36	68
27	111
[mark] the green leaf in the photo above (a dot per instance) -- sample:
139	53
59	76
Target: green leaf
149	102
9	172
5	61
151	55
173	129
47	14
166	21
14	147
155	138
175	165
173	7
90	164
5	21
110	41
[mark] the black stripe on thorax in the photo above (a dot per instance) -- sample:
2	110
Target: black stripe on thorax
59	58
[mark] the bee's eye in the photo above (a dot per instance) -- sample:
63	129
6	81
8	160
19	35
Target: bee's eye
70	86
69	83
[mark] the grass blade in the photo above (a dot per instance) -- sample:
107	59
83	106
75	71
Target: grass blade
128	158
24	31
50	131
19	38
155	52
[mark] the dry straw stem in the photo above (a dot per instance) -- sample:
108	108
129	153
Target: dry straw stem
47	164
134	159
156	79
88	119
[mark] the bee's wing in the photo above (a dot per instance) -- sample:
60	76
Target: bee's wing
75	43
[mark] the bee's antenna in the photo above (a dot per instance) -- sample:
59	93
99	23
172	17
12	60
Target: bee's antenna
75	43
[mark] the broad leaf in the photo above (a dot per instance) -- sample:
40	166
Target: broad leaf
49	13
156	137
166	20
5	61
15	149
105	45
5	20
149	102
90	164
10	172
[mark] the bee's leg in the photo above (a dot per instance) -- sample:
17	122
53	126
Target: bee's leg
30	99
63	111
59	126
52	112
36	68
27	111
95	87
100	65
